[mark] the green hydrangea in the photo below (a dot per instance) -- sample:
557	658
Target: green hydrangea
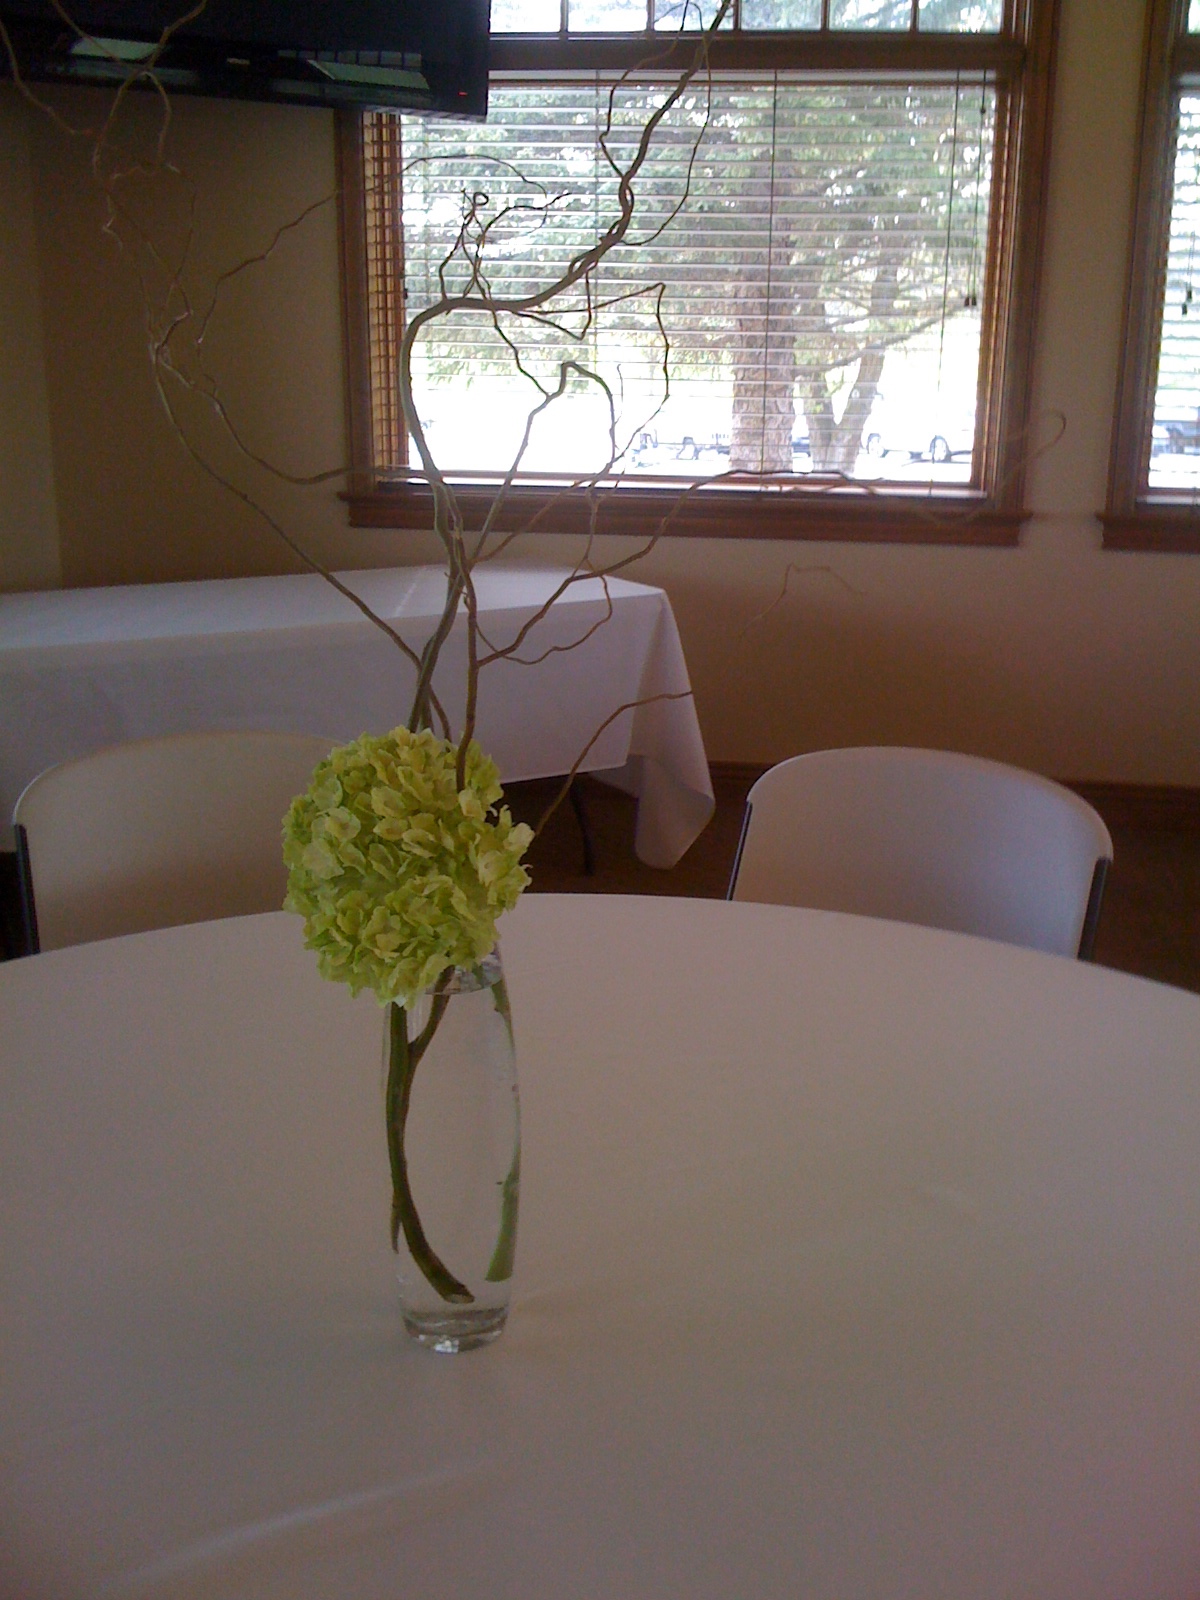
397	872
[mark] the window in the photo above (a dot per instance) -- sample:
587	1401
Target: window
819	321
1154	477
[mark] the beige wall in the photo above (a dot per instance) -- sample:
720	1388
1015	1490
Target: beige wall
28	519
133	506
1057	654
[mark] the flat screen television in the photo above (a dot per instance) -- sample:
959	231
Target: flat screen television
411	55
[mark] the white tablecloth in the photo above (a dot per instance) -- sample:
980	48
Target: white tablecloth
856	1262
84	668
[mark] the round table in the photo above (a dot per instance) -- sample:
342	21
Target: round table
855	1260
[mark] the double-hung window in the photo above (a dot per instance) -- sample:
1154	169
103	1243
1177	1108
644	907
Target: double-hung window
817	323
1154	475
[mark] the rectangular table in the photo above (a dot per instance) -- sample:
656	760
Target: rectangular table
85	668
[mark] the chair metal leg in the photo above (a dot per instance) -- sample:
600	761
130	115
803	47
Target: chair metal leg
29	927
737	860
1091	917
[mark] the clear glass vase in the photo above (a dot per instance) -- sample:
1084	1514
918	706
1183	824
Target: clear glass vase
454	1145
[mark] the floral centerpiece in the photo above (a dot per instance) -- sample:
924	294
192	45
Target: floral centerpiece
400	859
400	856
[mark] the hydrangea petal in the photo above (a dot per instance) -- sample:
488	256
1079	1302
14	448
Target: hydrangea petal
398	872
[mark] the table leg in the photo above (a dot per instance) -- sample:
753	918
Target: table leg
585	832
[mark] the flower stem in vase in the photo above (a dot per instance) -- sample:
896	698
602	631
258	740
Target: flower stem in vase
500	1268
404	1056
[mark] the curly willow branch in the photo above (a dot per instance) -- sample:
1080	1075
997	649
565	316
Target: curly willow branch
177	332
469	245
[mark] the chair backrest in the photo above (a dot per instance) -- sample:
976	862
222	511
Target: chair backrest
158	832
927	836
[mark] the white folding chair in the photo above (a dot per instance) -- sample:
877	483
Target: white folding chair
158	832
927	836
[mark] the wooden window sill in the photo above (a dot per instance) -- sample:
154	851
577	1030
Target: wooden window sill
716	513
1174	529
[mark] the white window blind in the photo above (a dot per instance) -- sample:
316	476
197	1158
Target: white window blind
800	291
1175	439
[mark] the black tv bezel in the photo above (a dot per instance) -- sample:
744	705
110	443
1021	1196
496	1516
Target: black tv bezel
231	67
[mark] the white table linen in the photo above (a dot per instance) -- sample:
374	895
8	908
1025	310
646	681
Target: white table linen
84	668
855	1260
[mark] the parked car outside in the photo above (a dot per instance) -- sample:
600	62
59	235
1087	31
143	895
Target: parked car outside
1176	435
899	425
709	452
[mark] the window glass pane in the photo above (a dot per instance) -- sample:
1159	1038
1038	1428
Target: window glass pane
607	16
525	16
815	300
1175	439
677	15
887	14
1194	17
781	13
962	16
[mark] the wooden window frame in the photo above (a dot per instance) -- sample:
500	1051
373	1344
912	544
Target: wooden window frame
990	512
1135	518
